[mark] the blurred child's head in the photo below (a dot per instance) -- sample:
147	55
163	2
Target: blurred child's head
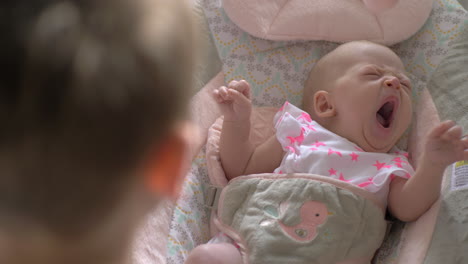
92	94
360	92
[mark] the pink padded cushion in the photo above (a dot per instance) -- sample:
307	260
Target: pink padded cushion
383	21
261	129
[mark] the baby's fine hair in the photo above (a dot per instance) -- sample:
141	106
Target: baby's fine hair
321	73
86	88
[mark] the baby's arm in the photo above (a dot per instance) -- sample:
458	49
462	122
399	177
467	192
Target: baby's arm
409	199
238	154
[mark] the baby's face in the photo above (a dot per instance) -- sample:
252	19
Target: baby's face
372	96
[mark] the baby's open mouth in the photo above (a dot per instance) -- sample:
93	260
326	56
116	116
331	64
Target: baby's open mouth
385	114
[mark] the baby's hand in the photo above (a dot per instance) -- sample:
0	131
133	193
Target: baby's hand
445	144
234	100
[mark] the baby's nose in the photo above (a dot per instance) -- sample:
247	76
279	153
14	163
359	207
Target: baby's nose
392	82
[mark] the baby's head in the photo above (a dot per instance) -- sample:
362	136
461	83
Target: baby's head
91	97
360	92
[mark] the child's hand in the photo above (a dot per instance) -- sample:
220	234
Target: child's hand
234	100
445	144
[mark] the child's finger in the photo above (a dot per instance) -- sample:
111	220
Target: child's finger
441	129
232	84
454	132
223	92
217	96
244	87
464	141
239	97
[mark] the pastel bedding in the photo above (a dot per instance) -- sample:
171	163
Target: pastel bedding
436	58
382	21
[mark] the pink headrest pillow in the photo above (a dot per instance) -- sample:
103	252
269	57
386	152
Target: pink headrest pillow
383	21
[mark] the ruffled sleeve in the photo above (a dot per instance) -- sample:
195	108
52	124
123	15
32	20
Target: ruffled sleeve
397	165
289	123
402	167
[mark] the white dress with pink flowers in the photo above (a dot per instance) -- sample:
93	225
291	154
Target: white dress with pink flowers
310	148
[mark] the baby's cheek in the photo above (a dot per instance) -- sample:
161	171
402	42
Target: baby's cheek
407	113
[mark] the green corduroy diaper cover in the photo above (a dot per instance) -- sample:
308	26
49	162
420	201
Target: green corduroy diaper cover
299	219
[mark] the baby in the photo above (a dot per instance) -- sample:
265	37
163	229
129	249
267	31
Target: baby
357	105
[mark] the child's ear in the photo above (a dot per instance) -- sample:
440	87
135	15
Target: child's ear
323	104
169	163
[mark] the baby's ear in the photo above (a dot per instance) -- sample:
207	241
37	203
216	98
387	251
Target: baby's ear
166	168
323	104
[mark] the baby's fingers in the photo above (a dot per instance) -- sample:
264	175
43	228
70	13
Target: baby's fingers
441	128
217	96
241	86
464	141
453	133
239	97
244	87
221	94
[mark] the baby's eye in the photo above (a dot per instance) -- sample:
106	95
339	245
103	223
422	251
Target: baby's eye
372	74
406	85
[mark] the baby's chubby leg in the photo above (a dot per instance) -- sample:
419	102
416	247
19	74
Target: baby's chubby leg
222	253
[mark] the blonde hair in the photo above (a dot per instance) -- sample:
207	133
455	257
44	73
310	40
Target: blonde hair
90	86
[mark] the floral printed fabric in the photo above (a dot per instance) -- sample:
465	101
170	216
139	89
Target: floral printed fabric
189	226
310	148
277	70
